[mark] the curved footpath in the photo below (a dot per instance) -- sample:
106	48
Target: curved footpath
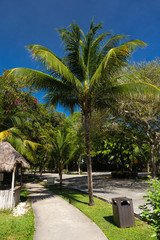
56	219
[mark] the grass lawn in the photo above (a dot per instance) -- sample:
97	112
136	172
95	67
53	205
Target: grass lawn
102	215
17	228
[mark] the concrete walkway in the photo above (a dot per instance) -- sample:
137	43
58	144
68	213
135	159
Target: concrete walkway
56	219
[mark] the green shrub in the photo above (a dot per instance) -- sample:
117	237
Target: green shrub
151	210
65	171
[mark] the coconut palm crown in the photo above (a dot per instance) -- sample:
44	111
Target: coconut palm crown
91	60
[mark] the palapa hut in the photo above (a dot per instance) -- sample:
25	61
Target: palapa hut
10	162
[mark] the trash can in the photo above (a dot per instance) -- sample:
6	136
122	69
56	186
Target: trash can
50	181
123	213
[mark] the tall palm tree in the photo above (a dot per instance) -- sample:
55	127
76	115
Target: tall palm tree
76	79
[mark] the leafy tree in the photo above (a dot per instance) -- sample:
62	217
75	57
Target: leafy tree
114	152
143	122
148	71
142	116
15	108
41	128
79	79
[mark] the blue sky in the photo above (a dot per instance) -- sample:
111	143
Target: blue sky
24	22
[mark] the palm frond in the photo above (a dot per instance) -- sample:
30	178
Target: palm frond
4	135
72	41
139	90
97	42
65	99
129	77
32	145
39	80
114	60
132	45
52	62
90	47
113	42
94	49
94	27
10	133
24	149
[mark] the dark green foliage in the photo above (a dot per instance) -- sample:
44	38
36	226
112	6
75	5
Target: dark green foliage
24	195
151	210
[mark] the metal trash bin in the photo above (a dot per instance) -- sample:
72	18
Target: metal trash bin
123	213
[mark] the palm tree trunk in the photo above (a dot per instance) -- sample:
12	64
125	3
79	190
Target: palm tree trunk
60	178
89	163
60	173
43	164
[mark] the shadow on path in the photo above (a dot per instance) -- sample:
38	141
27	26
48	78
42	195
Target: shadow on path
38	192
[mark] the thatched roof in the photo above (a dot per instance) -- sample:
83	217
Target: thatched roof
9	157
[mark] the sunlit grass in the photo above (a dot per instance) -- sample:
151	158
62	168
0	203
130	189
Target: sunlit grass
21	227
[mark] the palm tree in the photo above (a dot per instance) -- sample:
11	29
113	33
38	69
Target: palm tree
9	131
8	125
76	79
61	150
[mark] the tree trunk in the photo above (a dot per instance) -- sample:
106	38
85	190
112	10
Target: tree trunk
43	164
89	163
79	167
147	166
35	172
153	163
21	179
158	167
66	168
60	174
158	162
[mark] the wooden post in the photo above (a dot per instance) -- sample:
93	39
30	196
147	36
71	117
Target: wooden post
12	186
21	176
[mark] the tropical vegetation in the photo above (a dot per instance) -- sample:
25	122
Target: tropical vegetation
151	209
88	76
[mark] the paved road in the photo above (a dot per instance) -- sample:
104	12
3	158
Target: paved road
56	219
107	188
